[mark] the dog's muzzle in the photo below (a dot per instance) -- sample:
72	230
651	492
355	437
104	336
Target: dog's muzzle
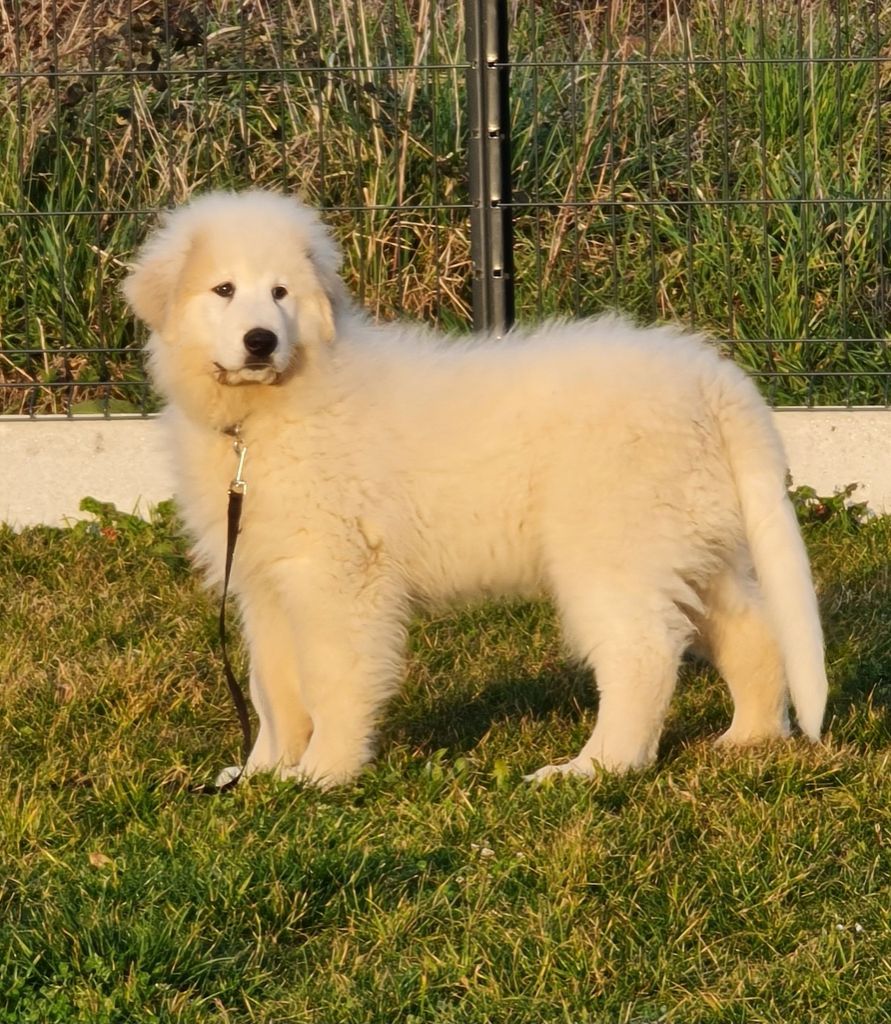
256	373
259	345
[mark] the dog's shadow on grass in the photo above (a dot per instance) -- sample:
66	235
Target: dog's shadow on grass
504	669
459	717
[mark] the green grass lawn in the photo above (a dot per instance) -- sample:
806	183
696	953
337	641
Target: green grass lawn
726	887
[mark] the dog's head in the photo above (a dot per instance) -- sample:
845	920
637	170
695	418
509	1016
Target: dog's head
237	288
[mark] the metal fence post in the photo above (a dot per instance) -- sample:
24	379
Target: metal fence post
491	226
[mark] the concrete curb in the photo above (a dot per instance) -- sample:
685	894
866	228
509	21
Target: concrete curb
49	465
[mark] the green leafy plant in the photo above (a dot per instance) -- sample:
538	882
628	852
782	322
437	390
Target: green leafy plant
839	509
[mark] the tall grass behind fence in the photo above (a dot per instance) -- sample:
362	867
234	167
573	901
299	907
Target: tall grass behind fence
111	110
718	161
723	163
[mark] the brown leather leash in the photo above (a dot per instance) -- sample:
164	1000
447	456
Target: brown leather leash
237	490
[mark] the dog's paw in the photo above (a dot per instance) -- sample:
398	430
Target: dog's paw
765	733
228	775
299	773
579	767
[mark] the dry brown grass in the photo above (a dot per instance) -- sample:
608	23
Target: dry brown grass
637	177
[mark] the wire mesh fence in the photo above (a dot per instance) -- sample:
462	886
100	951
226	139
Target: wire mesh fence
717	161
113	110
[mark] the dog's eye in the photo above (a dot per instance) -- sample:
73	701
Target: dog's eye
225	290
279	292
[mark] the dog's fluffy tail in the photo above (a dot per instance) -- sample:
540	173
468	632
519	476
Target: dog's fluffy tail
758	464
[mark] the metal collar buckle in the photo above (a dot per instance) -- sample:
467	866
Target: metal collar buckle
238	484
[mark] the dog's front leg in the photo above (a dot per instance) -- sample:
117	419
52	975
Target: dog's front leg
284	725
351	650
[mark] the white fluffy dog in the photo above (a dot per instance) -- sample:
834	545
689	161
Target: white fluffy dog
632	474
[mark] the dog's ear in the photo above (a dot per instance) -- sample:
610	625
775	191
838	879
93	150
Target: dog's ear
320	310
315	318
150	284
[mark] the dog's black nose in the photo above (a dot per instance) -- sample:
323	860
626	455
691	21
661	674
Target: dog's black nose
260	342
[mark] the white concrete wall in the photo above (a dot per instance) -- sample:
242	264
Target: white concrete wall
828	450
47	466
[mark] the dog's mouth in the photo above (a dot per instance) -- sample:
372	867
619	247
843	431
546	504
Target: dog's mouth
250	373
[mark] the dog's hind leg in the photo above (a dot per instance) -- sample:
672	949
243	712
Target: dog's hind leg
737	637
633	638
